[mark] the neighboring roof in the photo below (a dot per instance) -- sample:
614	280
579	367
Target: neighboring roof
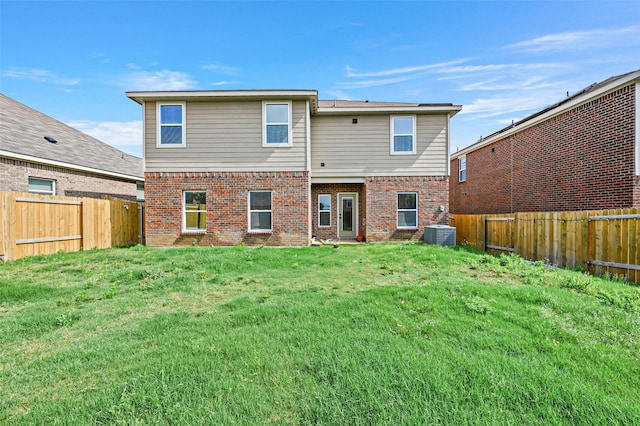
583	96
317	107
22	136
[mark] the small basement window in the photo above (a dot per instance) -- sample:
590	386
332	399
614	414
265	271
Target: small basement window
42	186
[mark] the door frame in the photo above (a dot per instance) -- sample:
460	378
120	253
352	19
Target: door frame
356	222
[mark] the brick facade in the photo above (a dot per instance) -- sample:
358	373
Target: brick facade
382	204
15	174
333	189
295	207
581	159
227	208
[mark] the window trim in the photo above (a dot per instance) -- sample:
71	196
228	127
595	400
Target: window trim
393	135
159	125
398	210
320	225
53	186
184	213
462	160
249	211
289	142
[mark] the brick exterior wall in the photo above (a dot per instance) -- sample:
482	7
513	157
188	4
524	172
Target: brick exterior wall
15	174
382	204
582	159
227	208
333	190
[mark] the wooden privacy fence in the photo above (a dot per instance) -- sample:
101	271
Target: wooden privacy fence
599	241
32	224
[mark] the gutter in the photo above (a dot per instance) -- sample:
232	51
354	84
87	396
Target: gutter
31	159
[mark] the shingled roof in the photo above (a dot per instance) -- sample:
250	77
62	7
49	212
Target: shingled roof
22	135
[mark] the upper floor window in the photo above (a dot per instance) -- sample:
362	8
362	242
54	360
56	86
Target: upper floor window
462	175
42	186
171	124
403	134
277	124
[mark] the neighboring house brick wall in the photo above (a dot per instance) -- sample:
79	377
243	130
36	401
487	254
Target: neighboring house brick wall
382	205
14	176
227	207
581	159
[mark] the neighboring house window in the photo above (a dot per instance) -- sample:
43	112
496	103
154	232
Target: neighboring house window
403	135
42	186
463	169
195	211
260	212
140	191
171	125
324	210
277	124
407	210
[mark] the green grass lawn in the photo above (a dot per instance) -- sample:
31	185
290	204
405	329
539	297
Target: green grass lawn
364	334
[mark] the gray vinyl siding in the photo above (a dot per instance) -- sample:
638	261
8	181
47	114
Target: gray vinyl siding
226	136
363	149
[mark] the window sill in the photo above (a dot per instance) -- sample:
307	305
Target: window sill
266	231
193	232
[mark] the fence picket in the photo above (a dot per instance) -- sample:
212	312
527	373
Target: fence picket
32	224
566	239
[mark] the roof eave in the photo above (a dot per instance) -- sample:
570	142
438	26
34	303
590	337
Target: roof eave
430	109
225	95
69	166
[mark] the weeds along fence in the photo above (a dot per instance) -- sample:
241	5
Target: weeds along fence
602	242
33	224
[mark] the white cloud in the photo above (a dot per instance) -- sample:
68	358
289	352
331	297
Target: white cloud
124	135
501	105
225	83
40	76
373	83
158	80
224	69
403	70
579	40
498	83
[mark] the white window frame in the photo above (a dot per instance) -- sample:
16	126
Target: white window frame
159	125
320	225
53	186
462	161
406	210
184	213
265	105
249	211
393	135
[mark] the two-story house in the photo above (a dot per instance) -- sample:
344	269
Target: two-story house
582	153
276	167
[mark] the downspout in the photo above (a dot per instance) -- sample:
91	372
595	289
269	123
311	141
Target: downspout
308	169
448	172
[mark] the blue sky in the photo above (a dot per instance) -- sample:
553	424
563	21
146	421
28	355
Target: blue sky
501	60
